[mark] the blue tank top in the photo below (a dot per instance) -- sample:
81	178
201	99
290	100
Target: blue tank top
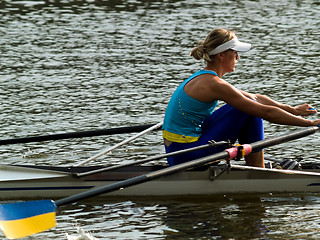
185	115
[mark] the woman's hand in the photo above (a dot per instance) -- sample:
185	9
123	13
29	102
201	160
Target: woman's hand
305	110
316	123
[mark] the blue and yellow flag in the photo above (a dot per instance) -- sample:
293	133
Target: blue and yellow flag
22	219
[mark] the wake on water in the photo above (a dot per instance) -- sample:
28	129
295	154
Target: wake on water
82	235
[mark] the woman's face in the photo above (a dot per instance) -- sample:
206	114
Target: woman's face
230	60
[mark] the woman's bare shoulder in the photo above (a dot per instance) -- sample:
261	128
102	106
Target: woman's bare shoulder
207	88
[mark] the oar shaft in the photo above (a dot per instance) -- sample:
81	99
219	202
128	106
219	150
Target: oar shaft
90	133
284	138
183	166
209	145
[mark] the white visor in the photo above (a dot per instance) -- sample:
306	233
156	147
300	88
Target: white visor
233	44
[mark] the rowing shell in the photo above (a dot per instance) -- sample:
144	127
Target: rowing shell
28	181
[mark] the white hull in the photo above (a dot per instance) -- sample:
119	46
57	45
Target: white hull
36	183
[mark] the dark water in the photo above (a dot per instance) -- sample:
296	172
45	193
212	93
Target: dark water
81	65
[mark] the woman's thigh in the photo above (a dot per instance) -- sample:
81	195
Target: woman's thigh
225	124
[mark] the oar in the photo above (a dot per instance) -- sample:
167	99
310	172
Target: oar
26	218
201	147
90	133
153	127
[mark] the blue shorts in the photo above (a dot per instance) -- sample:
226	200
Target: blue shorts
226	123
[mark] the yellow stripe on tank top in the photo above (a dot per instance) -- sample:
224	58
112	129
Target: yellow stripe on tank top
173	137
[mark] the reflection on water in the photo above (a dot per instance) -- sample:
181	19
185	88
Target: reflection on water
73	65
221	218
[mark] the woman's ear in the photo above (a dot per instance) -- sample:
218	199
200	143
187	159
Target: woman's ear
220	56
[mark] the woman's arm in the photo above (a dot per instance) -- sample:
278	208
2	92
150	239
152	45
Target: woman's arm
302	110
263	107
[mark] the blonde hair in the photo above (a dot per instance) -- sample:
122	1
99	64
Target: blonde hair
215	38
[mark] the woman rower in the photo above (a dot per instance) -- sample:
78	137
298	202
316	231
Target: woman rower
191	120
